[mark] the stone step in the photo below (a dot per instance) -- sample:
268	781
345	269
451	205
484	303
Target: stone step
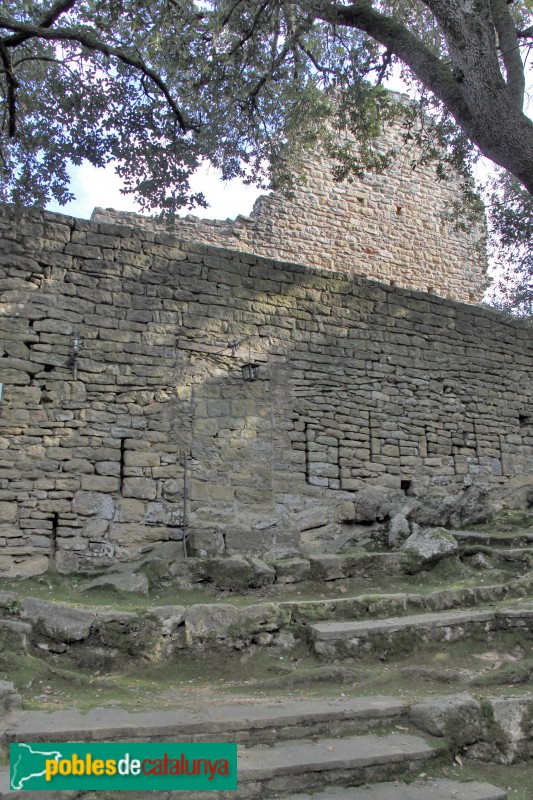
508	553
296	766
520	538
74	635
244	723
402	634
429	789
310	766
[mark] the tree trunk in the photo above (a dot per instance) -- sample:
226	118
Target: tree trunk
484	103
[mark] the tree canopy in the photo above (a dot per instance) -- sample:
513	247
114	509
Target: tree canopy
160	87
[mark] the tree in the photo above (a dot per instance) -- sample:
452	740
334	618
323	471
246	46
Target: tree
158	87
511	219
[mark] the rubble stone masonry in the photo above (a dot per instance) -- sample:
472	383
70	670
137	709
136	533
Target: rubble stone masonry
121	352
389	227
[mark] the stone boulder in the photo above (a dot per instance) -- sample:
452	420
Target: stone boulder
429	546
375	504
210	622
456	717
472	505
508	731
234	573
10	699
59	622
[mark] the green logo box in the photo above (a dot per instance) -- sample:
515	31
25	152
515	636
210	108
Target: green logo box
123	766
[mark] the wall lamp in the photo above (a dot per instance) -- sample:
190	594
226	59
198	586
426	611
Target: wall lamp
74	353
250	371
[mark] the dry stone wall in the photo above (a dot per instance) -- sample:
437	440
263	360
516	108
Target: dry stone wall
389	227
121	352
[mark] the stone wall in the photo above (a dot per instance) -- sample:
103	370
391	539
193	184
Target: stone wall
371	402
386	227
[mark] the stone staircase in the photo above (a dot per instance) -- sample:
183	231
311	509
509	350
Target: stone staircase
348	749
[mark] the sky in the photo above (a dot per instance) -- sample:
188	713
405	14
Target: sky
101	187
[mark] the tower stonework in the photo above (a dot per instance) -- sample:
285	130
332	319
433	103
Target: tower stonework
391	228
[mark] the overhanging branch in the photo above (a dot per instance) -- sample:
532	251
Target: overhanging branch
400	42
510	50
11	82
527	33
46	22
90	42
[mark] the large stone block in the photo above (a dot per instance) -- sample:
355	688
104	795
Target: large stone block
60	622
93	504
210	622
24	568
8	513
140	488
131	534
99	483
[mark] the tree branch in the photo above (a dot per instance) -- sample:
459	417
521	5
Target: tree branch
11	89
47	21
510	50
290	44
399	40
527	33
319	67
91	43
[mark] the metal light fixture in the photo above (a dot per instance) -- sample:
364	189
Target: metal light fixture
249	371
74	353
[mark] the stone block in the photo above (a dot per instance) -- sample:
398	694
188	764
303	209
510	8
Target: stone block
134	458
129	509
140	488
60	622
88	503
8	513
78	466
66	562
15	635
210	622
459	717
26	568
293	570
227	574
170	617
99	483
134	535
